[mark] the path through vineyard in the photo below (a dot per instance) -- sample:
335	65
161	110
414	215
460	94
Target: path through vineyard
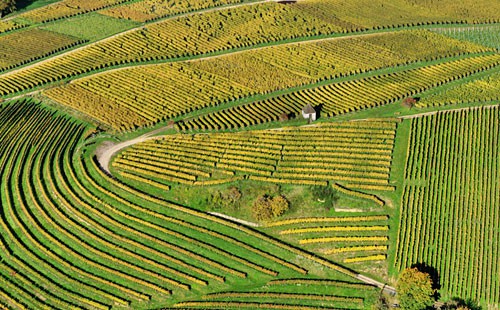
106	150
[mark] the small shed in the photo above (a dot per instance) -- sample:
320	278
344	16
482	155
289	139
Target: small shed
308	112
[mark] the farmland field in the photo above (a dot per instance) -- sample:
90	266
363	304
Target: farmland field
244	154
444	220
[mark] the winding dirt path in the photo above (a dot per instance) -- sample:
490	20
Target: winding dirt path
106	151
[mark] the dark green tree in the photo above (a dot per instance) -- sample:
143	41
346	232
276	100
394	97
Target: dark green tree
327	194
415	290
7	6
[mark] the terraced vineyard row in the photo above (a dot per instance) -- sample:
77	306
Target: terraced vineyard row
338	98
26	46
451	202
481	90
6	26
290	65
358	154
283	294
348	239
188	36
73	238
67	8
228	78
149	10
114	98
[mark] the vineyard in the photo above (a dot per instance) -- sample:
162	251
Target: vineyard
220	80
486	35
280	295
357	154
338	98
149	10
67	8
183	37
249	154
480	90
348	239
448	223
122	258
26	46
6	26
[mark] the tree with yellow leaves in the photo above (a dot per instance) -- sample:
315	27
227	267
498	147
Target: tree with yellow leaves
415	290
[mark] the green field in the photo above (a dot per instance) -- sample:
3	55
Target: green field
91	26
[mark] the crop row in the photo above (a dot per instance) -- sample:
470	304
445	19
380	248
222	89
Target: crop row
362	248
8	25
333	229
318	282
344	239
347	191
289	296
240	304
370	258
293	221
146	181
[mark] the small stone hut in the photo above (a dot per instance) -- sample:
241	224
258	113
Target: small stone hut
308	112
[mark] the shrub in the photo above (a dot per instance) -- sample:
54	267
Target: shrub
266	208
279	205
228	199
409	102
